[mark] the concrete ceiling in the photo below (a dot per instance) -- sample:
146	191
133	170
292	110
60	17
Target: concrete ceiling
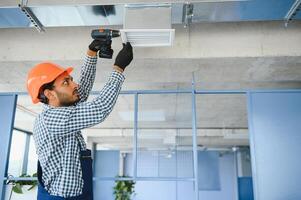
222	56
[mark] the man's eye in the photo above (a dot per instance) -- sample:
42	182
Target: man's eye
65	82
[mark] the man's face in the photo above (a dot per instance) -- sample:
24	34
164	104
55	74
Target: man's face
66	91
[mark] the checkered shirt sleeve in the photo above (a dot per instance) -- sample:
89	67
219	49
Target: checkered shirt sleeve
66	120
87	77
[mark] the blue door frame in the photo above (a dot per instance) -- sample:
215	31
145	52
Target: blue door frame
7	115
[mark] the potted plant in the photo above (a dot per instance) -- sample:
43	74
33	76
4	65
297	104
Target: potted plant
123	189
22	187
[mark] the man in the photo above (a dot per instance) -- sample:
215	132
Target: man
65	165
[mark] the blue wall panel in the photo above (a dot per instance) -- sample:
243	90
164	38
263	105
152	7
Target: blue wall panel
147	164
184	164
275	137
106	163
7	116
227	181
103	190
155	190
209	178
245	188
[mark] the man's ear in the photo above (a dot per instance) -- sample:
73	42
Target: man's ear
49	94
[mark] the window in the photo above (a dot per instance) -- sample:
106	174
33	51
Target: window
17	153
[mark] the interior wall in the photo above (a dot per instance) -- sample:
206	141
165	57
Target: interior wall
275	123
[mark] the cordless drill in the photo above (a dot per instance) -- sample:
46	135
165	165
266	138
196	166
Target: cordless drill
105	35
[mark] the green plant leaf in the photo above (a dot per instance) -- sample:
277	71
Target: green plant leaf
17	188
123	190
33	186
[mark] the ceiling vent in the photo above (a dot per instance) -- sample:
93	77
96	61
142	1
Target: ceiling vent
148	25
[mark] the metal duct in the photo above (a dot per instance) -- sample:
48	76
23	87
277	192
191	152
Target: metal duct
101	15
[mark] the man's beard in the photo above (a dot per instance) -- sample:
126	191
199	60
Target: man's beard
65	100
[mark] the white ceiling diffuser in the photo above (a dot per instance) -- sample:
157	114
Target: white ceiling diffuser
148	37
148	25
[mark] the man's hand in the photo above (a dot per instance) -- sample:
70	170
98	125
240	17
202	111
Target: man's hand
125	56
96	45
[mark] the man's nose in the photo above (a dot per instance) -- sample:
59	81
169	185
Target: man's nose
75	85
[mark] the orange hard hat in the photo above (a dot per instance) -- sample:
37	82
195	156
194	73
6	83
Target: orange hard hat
41	74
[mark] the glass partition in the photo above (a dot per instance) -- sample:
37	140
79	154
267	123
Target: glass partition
113	140
16	157
23	158
222	127
164	135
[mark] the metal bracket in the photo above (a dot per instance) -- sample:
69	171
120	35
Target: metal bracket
31	16
187	14
292	12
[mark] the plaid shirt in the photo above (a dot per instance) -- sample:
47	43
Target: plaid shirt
57	134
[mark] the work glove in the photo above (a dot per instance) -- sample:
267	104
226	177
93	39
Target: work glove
99	44
125	56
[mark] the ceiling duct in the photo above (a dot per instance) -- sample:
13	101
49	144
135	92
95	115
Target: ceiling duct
31	16
148	25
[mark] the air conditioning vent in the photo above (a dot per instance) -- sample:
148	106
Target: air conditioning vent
148	25
148	37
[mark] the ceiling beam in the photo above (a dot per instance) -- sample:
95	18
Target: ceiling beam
245	39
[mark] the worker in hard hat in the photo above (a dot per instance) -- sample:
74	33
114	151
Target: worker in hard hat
65	164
